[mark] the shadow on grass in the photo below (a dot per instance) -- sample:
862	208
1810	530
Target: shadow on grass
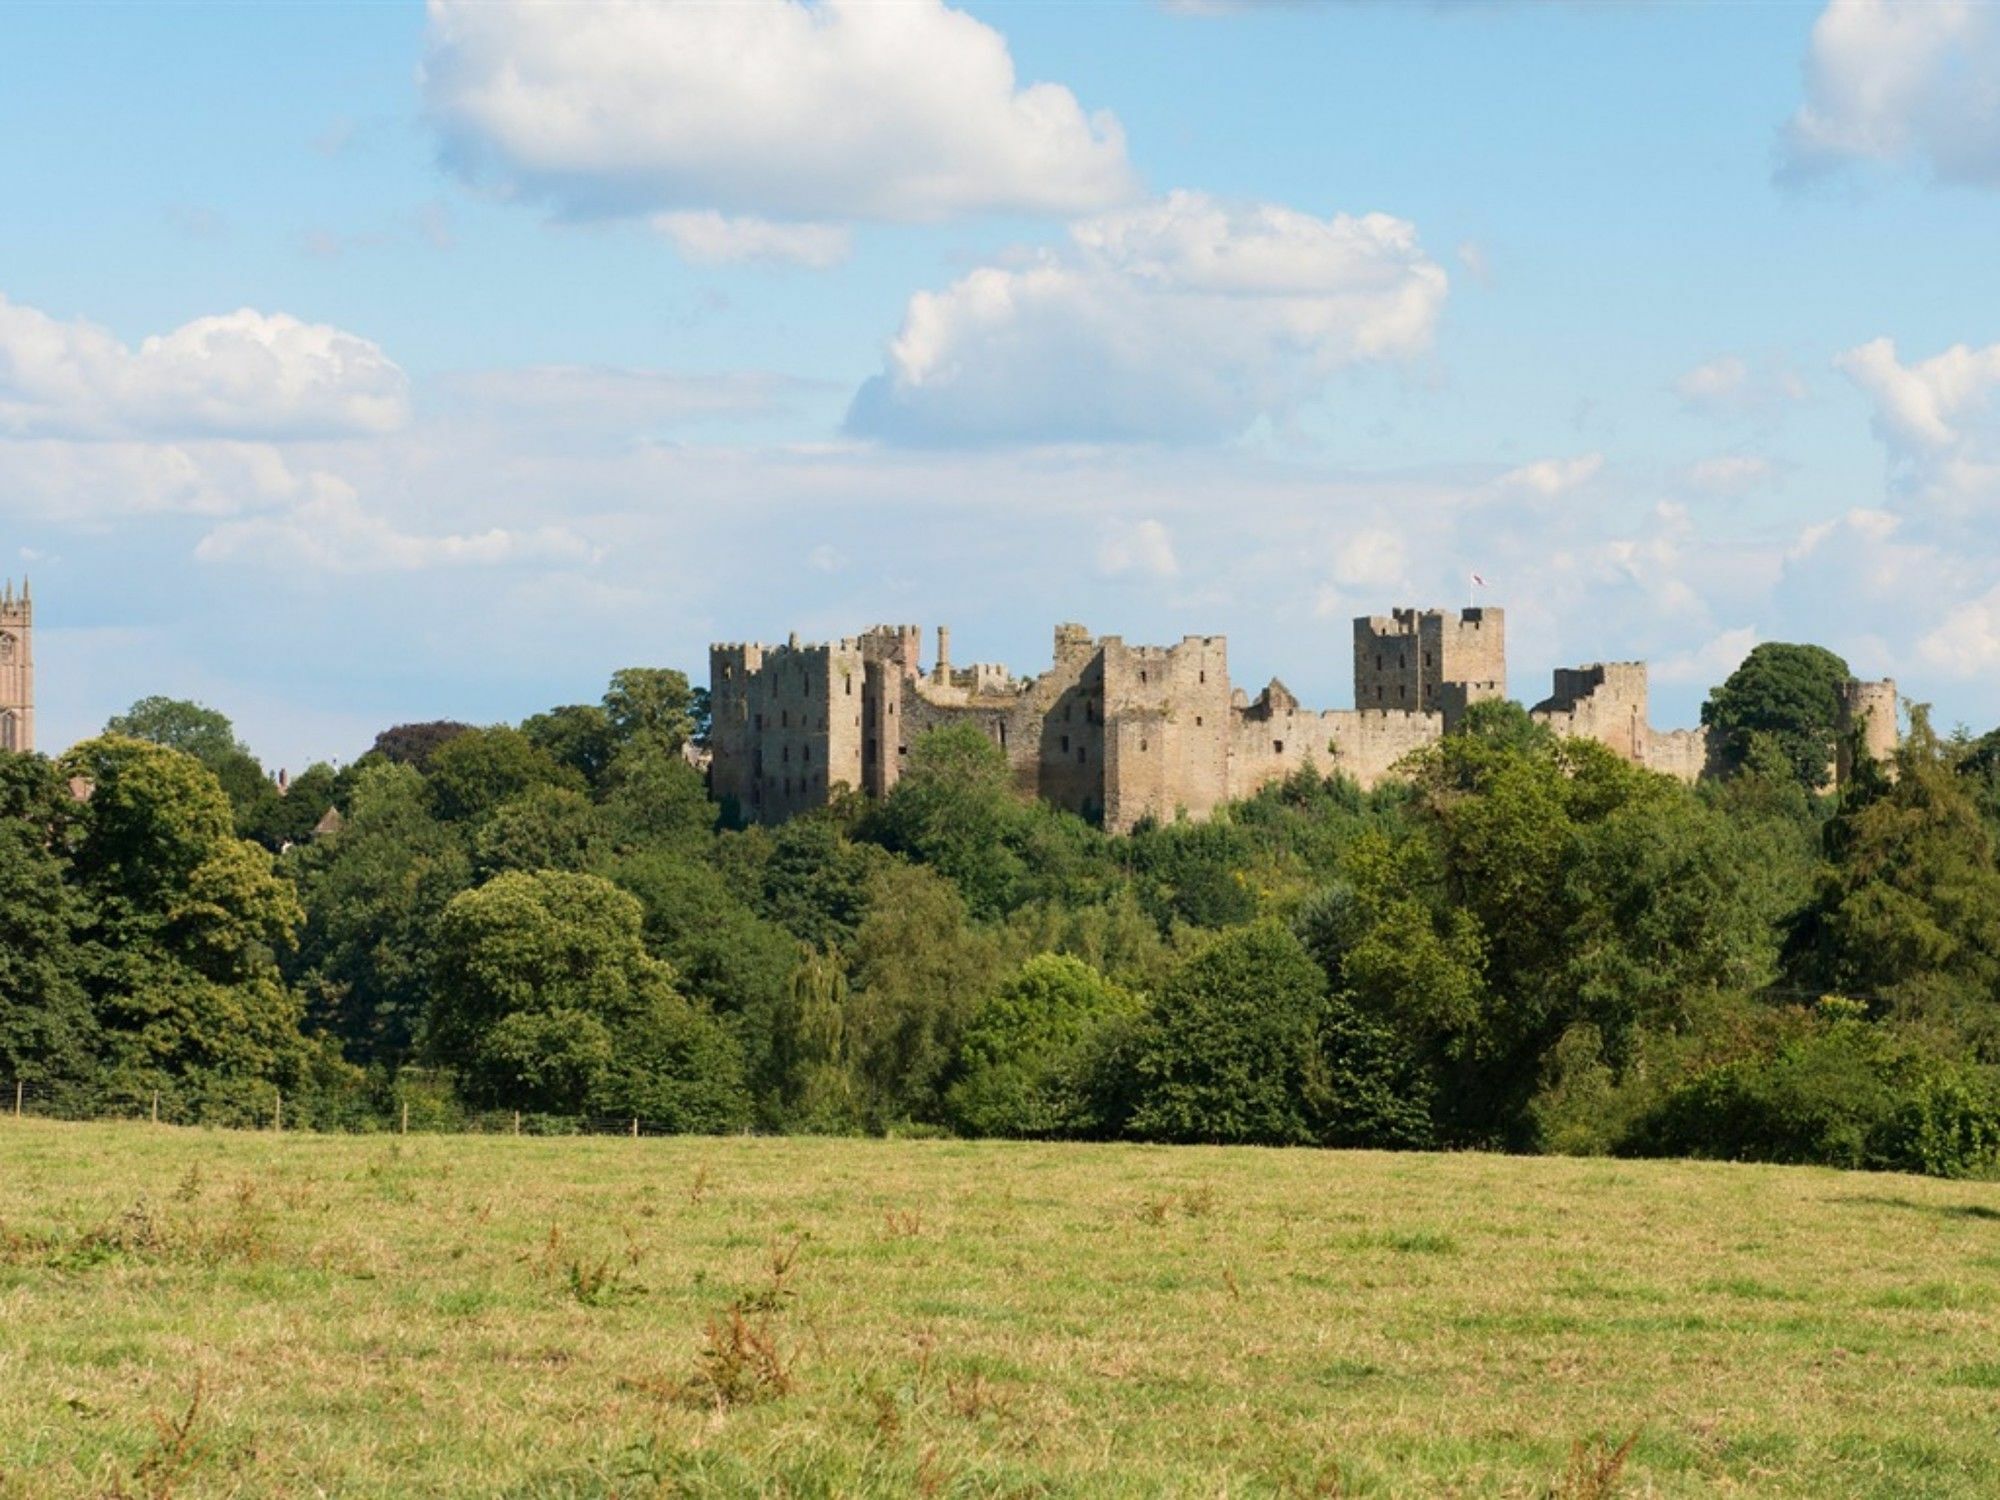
1942	1210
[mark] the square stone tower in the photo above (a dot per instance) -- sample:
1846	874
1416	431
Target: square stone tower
17	669
1430	661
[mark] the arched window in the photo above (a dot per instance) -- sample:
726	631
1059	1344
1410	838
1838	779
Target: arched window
8	728
7	647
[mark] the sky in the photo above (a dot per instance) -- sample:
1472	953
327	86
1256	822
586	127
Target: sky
369	363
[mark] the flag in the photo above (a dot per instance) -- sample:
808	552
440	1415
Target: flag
1478	581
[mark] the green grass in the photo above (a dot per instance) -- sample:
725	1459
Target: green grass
198	1314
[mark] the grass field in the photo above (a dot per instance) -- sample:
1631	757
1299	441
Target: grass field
202	1314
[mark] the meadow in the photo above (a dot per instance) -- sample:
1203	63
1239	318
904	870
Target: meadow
197	1313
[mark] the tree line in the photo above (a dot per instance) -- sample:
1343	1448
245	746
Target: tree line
1524	943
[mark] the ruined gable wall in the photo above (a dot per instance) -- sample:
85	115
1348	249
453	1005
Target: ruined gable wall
1605	702
1683	754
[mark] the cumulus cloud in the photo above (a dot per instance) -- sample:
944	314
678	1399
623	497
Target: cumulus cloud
1937	420
1182	319
1900	83
1550	478
330	531
1144	547
770	109
708	238
241	374
1966	643
1709	663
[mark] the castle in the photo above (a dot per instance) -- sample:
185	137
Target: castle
17	669
1121	733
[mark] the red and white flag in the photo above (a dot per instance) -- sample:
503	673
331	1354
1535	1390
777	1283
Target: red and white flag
1478	582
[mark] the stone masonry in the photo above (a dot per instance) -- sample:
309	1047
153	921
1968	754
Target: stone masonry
17	668
1120	733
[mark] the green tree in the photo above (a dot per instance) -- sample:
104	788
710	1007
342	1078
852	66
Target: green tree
655	800
1230	1047
954	809
653	703
1909	907
578	736
415	744
546	998
47	1032
1022	1064
373	893
191	728
1789	692
475	771
920	969
544	828
184	922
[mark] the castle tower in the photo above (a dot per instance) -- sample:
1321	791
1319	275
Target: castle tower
1430	661
17	668
1871	708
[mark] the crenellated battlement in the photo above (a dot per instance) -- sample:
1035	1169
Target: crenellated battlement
1123	731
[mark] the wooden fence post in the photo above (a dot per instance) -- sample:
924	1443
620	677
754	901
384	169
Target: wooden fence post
18	1087
517	1122
156	1106
278	1109
635	1127
406	1117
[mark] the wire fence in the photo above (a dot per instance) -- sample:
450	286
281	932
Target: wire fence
424	1109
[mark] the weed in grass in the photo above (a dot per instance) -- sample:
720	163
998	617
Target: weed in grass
698	1186
1595	1471
174	1453
776	1293
740	1362
903	1223
1403	1242
594	1283
1229	1280
1199	1203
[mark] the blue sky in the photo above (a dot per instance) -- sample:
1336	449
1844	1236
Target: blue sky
364	363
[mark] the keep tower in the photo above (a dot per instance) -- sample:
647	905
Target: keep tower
17	668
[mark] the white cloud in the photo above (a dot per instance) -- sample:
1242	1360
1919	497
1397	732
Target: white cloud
1550	478
329	531
1899	82
1709	663
1967	642
241	374
1729	388
773	109
708	238
1374	557
1144	547
1182	319
1937	420
616	401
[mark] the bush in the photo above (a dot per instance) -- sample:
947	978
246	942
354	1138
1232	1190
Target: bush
1023	1061
1848	1093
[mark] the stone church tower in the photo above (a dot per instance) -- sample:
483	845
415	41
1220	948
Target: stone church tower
17	669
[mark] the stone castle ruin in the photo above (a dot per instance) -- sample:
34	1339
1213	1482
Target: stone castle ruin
17	668
1120	733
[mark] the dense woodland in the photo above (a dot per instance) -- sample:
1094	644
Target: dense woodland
1527	945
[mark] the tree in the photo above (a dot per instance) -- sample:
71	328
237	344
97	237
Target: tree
1791	693
1908	913
955	810
179	725
545	998
653	703
415	744
474	772
1227	1051
919	971
656	800
373	893
47	1033
544	828
578	736
183	925
1021	1064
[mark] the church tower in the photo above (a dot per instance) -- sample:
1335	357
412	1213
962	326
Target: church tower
17	668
